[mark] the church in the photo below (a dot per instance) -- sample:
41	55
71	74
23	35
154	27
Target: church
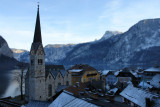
42	81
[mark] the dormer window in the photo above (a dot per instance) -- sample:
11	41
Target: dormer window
40	61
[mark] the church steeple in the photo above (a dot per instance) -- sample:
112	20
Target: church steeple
37	33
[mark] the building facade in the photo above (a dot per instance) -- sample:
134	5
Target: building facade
40	83
83	73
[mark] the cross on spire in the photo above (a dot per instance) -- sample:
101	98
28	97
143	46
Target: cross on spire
37	33
38	5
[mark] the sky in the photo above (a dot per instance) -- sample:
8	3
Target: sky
70	21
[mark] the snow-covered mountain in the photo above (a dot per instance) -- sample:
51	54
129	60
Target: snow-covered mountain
139	46
7	60
4	49
57	52
18	52
109	34
54	53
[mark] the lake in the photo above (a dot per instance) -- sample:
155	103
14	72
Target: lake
9	85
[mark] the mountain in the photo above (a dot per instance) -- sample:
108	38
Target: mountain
7	60
139	46
4	49
57	52
109	34
18	52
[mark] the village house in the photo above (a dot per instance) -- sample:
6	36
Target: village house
42	81
139	98
83	73
150	72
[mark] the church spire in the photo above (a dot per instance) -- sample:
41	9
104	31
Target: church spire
37	33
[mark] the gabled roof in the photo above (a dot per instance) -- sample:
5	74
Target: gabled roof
54	69
153	69
60	88
63	72
156	81
67	100
34	103
75	70
75	90
54	73
81	69
136	95
105	72
145	85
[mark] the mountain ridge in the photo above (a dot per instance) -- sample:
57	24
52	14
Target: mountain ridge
136	47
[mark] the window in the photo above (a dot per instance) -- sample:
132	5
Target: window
32	62
59	83
49	77
67	83
49	90
40	61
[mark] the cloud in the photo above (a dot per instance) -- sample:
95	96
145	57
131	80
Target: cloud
122	14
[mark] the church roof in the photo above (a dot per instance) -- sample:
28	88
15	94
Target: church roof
34	103
54	73
55	67
37	33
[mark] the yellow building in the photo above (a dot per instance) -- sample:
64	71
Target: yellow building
83	73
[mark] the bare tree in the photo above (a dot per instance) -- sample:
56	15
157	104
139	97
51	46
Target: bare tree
20	78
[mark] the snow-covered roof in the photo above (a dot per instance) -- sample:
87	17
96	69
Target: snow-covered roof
75	70
156	81
61	87
38	104
114	90
153	69
67	100
105	72
117	72
145	85
136	95
134	73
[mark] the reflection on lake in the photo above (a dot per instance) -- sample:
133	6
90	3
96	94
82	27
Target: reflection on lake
9	86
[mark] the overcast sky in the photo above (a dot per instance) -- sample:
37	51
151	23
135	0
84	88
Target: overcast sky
70	21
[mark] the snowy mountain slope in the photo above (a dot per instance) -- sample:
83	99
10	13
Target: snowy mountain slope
55	53
6	55
139	46
18	52
4	49
123	49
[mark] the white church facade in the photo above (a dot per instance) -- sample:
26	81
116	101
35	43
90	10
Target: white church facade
42	81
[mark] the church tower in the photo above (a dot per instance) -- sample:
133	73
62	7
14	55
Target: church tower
36	86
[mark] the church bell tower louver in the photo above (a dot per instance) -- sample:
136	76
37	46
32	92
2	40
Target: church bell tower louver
36	86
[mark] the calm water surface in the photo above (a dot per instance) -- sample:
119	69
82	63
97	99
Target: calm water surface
9	86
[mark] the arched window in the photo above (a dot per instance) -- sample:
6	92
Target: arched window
49	90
